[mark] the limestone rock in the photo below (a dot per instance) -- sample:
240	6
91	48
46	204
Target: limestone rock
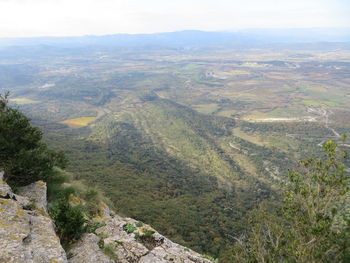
25	235
36	192
5	189
132	241
6	192
104	211
43	242
14	228
88	251
23	201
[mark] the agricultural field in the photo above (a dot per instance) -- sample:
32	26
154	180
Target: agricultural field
23	101
188	141
79	122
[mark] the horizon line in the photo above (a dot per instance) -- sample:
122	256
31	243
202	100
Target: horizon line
177	31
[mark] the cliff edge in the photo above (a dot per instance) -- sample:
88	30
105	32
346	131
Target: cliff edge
27	235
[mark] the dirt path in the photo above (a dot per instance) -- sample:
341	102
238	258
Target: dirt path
324	113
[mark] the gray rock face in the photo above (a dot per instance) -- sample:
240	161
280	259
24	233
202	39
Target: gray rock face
87	250
14	228
6	192
129	241
36	192
5	189
27	236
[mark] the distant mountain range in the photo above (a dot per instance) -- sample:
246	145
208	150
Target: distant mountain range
191	38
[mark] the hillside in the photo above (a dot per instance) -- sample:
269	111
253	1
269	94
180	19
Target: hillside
65	221
160	158
61	220
187	140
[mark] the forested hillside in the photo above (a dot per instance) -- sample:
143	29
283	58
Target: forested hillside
310	223
189	140
48	217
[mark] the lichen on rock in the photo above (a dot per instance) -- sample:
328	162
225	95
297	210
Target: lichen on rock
142	245
88	250
36	192
25	235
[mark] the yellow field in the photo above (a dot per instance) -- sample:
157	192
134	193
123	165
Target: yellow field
22	101
79	122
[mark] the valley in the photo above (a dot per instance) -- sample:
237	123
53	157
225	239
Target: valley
188	140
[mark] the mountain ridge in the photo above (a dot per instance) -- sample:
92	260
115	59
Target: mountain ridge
189	38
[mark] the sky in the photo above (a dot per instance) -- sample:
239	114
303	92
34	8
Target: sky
28	18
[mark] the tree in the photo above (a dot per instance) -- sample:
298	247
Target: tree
23	155
312	224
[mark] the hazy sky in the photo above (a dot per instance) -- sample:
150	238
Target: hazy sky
82	17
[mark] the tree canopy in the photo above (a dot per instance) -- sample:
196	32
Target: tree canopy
23	154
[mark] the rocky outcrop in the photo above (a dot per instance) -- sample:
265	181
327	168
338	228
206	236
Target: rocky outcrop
88	250
27	234
37	193
126	240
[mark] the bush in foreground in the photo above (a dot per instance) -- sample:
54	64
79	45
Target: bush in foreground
311	224
69	220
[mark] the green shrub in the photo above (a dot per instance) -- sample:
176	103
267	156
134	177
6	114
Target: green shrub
311	223
148	233
93	199
129	228
139	224
109	251
69	220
